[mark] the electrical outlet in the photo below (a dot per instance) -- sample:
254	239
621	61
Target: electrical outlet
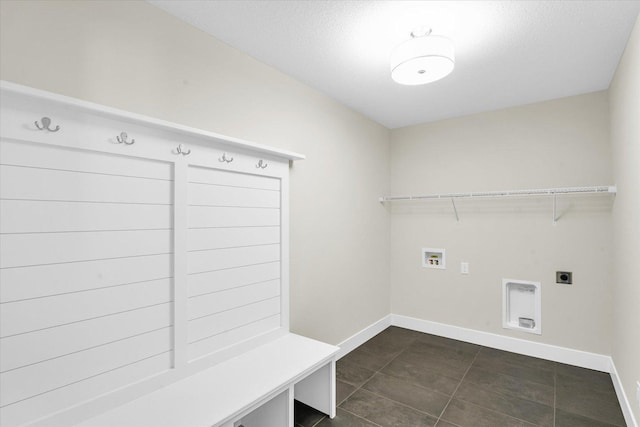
565	277
464	268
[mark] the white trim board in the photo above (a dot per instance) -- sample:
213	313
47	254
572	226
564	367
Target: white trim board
599	362
625	404
583	359
359	338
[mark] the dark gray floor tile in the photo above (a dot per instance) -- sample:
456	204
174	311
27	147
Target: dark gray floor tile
345	419
527	410
583	374
573	376
460	354
351	373
343	390
465	414
374	361
416	373
305	416
450	364
511	386
589	401
529	373
515	358
388	343
448	342
566	419
385	412
403	332
422	399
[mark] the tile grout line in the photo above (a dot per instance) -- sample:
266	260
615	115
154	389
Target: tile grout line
458	386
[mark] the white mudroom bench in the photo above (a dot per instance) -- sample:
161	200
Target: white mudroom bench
145	274
254	389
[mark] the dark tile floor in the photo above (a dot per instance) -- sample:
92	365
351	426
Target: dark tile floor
407	378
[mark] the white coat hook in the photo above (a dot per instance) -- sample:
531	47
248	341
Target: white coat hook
555	218
261	164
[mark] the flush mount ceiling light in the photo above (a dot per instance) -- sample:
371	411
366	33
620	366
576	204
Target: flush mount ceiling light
422	59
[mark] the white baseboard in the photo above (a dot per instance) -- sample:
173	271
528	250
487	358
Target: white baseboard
629	418
364	335
599	362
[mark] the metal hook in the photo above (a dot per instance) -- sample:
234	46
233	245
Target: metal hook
182	150
46	124
123	138
225	159
261	164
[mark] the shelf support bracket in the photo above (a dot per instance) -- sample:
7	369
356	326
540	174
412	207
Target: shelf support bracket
455	210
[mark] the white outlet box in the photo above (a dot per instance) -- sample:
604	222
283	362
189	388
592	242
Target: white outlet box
464	268
434	258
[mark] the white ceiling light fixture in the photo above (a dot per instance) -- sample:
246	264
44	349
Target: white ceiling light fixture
422	59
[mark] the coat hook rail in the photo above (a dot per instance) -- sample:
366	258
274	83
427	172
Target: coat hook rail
46	125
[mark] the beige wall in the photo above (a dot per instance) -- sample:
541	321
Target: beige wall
624	96
133	56
559	143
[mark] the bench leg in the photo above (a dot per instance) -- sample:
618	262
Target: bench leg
318	390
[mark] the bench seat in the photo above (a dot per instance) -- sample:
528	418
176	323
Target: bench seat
266	378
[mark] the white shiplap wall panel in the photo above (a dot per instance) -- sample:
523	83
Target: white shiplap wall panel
234	257
205	305
224	339
47	184
214	281
49	375
40	313
226	321
80	392
19	250
218	259
45	280
24	153
28	348
232	179
221	195
204	216
230	237
36	216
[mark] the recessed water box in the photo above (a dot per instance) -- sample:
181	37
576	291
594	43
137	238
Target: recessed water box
433	258
521	306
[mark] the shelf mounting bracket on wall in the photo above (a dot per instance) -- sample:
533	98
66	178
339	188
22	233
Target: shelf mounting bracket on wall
455	210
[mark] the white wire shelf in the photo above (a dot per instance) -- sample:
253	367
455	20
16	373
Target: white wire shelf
597	189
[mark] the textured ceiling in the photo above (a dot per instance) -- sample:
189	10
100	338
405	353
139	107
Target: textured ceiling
507	52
